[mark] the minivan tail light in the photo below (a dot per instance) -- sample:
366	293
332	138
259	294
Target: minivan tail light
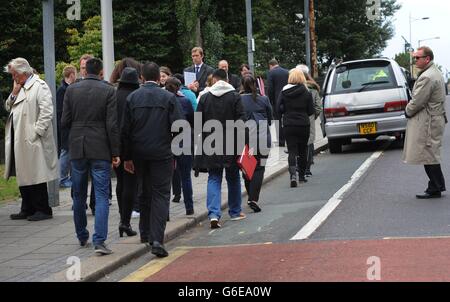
395	106
335	112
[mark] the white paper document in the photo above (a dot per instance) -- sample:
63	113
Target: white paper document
189	78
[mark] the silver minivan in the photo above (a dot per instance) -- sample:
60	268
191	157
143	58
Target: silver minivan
364	99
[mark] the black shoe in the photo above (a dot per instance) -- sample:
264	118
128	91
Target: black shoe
159	250
302	179
190	212
38	216
83	243
427	195
102	249
254	206
19	216
308	174
127	230
176	198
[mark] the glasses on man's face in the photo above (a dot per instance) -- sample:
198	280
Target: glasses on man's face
418	58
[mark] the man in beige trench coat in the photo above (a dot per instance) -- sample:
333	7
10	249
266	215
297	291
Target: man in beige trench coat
426	123
30	148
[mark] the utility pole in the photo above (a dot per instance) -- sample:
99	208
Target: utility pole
48	19
107	38
307	34
250	41
312	28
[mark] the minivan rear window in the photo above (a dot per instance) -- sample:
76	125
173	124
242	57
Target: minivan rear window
363	76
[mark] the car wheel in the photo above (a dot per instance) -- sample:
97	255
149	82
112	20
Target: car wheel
335	146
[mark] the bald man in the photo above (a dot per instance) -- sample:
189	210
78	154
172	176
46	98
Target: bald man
232	79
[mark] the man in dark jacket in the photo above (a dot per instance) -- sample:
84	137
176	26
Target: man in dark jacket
221	104
147	138
201	70
90	112
277	78
70	76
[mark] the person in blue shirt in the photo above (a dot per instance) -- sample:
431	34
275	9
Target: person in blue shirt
186	91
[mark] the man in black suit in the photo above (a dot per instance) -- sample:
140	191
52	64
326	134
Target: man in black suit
201	70
147	137
277	78
90	112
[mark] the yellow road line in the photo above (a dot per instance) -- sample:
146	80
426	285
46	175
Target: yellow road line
155	266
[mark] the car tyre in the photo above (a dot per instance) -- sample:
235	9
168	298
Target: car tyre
335	146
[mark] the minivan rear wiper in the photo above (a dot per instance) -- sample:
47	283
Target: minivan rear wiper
369	84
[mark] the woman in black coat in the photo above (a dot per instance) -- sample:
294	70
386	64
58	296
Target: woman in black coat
126	189
295	103
258	109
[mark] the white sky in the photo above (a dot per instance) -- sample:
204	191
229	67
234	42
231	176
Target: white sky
437	26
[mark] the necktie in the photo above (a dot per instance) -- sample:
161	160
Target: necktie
197	69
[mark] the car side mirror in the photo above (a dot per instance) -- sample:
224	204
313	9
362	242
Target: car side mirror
346	84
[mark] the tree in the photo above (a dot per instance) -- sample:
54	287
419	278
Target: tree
403	59
344	30
88	41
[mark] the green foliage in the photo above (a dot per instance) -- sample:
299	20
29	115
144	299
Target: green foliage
8	189
403	59
88	41
187	16
213	42
147	31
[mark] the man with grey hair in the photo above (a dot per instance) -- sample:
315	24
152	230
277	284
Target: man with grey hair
30	149
426	123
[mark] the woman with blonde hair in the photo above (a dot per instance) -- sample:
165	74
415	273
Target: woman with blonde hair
295	103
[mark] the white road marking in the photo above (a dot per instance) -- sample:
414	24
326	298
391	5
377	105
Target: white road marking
334	201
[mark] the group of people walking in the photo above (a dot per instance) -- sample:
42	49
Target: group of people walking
126	124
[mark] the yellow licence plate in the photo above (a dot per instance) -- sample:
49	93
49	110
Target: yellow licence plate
367	128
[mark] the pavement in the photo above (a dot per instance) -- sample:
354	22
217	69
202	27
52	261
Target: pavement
45	250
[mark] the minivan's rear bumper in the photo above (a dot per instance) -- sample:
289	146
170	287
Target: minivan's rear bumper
349	129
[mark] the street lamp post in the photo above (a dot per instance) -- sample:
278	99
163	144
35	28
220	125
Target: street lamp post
427	39
411	20
107	38
49	69
250	41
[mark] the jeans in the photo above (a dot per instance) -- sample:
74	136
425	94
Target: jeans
100	171
182	178
214	192
64	167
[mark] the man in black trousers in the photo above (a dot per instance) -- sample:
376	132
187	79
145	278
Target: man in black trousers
146	135
277	78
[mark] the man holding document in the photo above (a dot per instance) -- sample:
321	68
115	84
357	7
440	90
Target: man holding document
195	76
